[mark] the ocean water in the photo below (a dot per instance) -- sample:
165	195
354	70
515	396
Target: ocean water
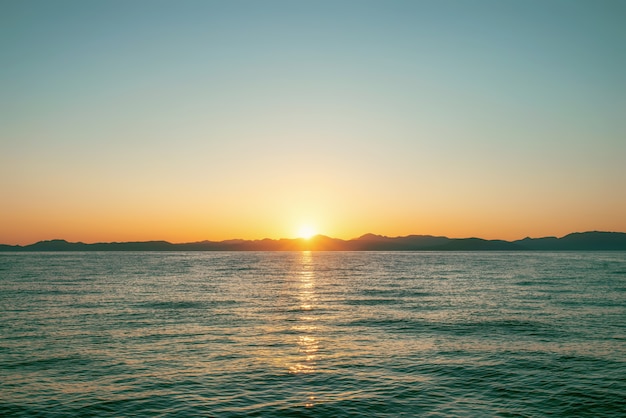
319	334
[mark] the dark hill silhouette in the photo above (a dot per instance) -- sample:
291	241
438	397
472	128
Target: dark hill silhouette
479	244
578	241
594	240
371	242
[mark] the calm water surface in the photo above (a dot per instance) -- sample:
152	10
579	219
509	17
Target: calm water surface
313	334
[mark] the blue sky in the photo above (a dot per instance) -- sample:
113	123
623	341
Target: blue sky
205	119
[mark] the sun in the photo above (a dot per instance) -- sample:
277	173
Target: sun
306	232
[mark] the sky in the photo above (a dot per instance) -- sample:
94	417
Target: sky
211	120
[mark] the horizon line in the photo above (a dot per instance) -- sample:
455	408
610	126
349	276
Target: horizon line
316	236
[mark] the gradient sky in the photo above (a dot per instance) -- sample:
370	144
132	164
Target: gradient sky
193	120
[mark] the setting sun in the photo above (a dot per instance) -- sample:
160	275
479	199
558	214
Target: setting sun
306	232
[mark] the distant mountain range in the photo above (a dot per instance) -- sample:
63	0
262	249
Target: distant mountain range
579	241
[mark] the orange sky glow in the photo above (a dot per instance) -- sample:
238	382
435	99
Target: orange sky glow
209	121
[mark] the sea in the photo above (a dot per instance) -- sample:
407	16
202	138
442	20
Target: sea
313	334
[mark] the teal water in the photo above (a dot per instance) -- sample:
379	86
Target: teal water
313	334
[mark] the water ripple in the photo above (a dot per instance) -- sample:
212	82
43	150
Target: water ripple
312	334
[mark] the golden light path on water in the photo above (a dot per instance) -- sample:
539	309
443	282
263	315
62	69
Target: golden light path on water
305	327
308	344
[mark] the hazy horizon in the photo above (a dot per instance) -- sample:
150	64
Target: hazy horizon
194	120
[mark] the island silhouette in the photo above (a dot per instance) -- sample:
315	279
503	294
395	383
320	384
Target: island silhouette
578	241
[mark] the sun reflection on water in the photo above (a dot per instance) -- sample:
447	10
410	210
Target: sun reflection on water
305	328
